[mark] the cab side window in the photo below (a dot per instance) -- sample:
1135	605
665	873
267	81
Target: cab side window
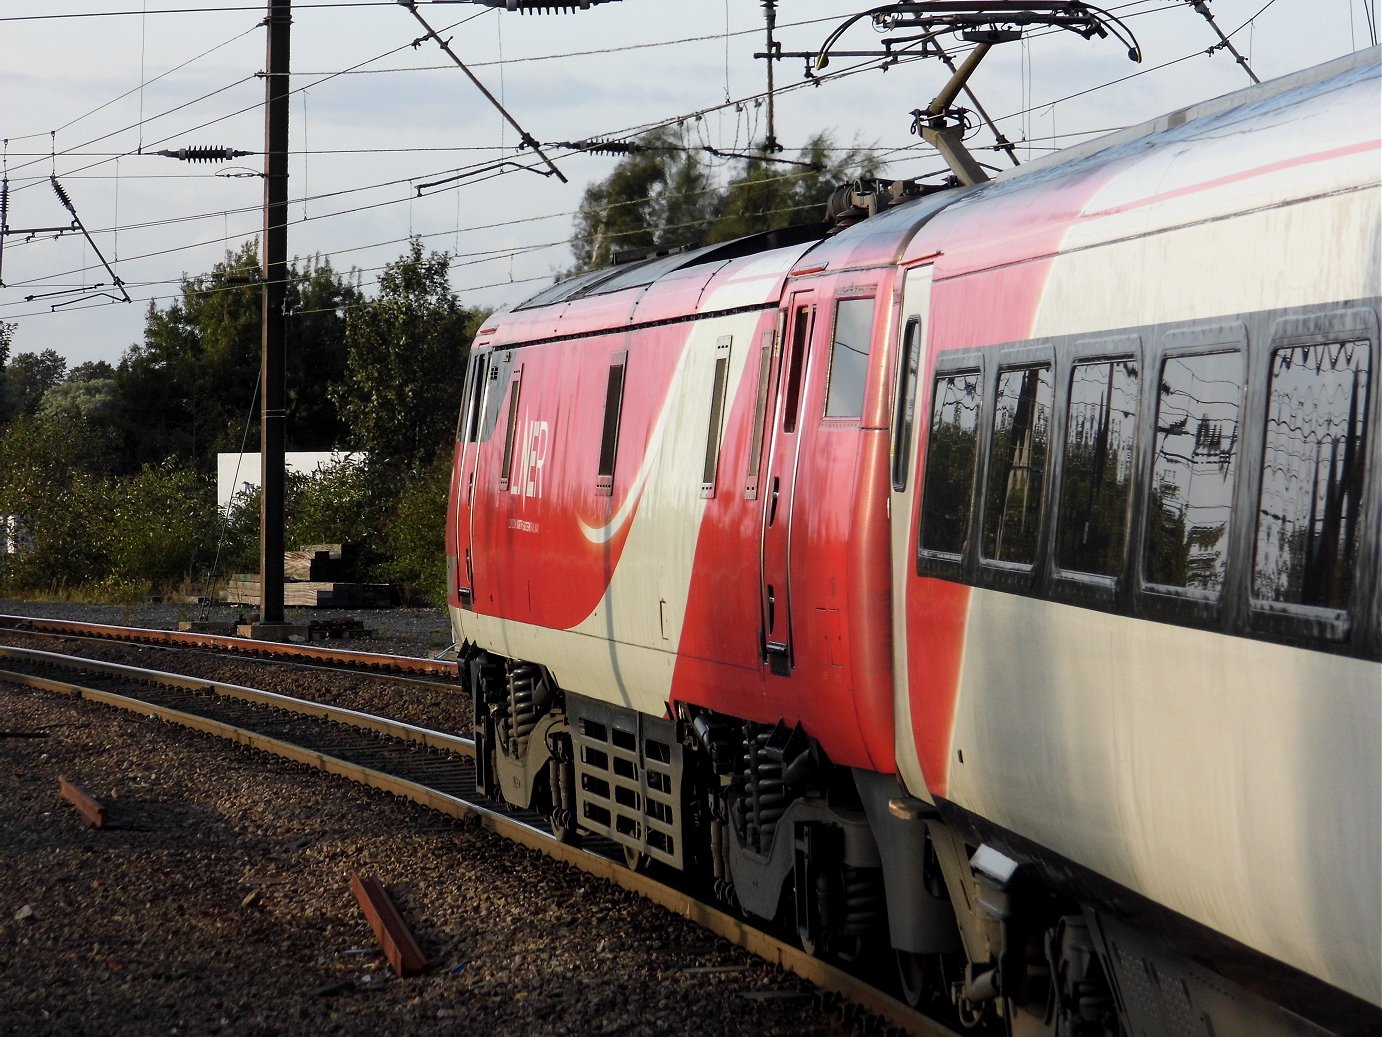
849	358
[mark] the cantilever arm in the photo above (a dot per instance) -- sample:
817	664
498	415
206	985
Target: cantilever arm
528	139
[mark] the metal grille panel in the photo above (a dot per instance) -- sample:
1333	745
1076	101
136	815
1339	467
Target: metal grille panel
628	777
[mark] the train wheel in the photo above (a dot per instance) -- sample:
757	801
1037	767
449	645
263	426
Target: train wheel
916	977
636	860
562	827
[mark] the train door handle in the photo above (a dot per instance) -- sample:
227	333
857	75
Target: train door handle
772	501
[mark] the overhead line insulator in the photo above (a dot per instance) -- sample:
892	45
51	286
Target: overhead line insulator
539	6
203	154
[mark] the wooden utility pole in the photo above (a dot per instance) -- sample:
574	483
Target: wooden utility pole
272	413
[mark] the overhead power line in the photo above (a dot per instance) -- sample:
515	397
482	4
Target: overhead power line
184	10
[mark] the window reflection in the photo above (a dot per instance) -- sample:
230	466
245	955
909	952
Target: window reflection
1312	474
1017	464
849	358
905	417
1098	467
1195	457
950	457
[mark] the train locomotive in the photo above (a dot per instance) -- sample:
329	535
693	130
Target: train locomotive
991	582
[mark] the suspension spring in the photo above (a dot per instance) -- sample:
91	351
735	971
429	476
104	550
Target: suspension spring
863	895
523	706
765	789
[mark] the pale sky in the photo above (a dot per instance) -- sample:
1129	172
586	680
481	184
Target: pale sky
362	141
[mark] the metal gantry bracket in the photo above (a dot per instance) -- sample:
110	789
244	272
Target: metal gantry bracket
984	24
85	292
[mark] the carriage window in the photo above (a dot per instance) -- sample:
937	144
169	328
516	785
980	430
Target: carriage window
718	388
1017	464
609	436
849	358
1097	473
905	417
1312	475
511	431
1195	455
950	458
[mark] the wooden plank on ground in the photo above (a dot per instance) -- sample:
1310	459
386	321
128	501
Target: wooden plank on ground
83	801
393	934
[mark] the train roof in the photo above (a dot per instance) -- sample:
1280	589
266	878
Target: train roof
1020	214
1245	149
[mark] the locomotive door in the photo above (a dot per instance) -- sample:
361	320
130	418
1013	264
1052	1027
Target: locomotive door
779	485
908	420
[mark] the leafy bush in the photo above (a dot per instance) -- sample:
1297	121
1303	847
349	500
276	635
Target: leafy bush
160	525
341	503
414	542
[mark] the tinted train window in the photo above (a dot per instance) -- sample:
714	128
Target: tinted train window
492	392
1312	475
905	417
1194	458
1017	464
511	429
609	432
950	457
849	358
1097	472
760	407
469	428
719	385
794	364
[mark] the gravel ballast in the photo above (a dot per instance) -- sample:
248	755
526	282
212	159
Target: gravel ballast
219	902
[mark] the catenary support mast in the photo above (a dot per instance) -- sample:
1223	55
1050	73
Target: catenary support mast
273	318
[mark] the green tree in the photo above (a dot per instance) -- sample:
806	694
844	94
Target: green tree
663	195
160	526
318	302
768	195
659	196
190	388
347	502
53	499
186	389
28	377
415	536
406	354
92	400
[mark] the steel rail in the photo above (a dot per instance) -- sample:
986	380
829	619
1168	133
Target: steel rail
734	929
340	657
336	714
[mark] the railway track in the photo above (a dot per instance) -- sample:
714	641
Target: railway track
336	658
429	767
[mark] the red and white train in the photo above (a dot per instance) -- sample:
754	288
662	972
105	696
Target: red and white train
994	581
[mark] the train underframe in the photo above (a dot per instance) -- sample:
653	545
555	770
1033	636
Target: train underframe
759	818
